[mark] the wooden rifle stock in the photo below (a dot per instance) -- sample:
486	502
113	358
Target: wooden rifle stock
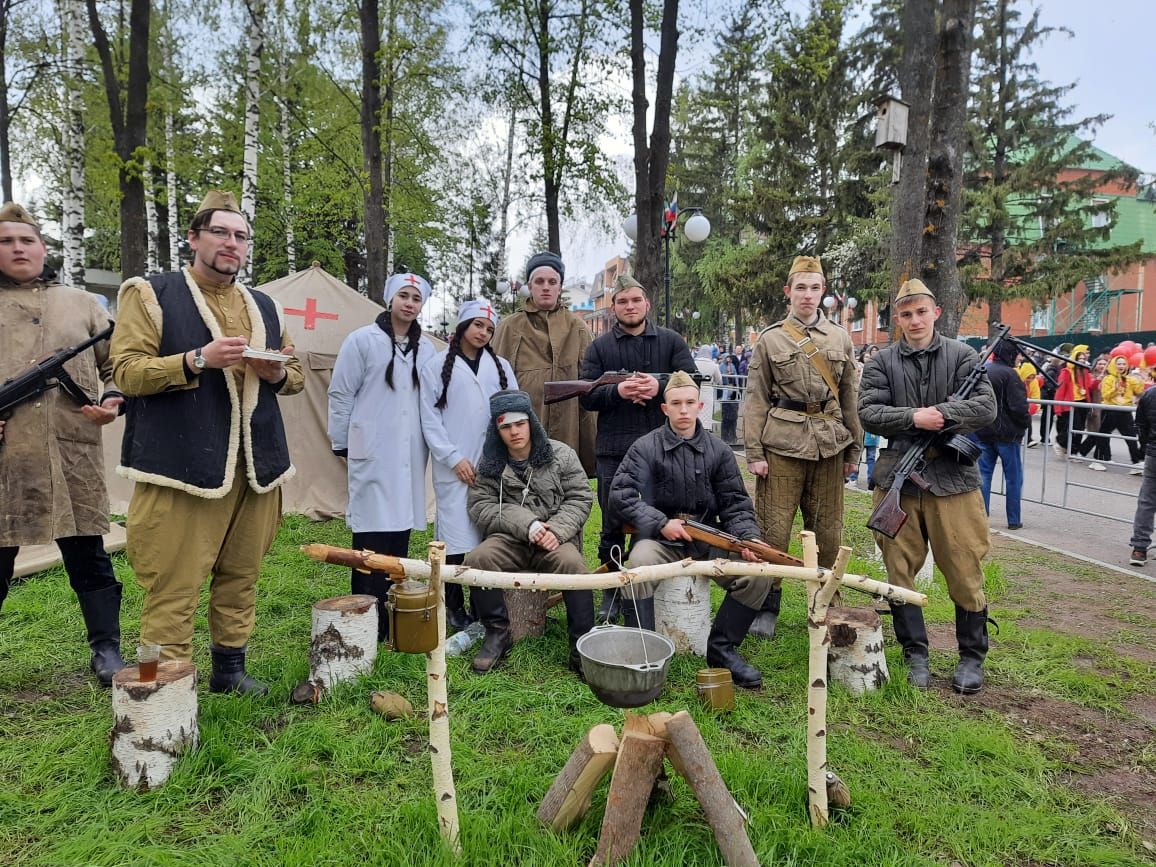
567	389
728	542
888	517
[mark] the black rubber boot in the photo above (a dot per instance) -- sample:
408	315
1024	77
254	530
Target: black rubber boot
377	585
611	608
579	621
457	617
644	616
912	636
971	635
229	672
490	605
768	615
101	611
726	635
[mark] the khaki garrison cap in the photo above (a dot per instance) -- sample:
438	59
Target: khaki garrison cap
14	213
219	200
625	281
911	289
680	379
806	265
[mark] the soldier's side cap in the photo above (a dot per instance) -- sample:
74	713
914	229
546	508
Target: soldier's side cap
680	379
806	265
625	281
911	289
14	213
219	200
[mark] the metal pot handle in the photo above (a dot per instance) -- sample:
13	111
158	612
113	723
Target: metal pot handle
391	619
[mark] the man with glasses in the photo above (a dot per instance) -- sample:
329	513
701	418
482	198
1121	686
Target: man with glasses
204	440
628	410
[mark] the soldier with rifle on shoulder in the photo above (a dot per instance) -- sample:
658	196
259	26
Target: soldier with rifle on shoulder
917	385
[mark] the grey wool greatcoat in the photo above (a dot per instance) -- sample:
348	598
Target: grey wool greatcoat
51	458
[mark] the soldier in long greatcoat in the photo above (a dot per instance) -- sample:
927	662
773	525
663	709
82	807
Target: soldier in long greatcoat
51	458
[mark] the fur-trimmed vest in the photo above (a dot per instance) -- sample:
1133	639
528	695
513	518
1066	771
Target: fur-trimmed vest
189	438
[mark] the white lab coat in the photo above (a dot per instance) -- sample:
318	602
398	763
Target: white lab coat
381	428
458	431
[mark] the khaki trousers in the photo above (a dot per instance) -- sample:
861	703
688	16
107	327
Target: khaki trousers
176	539
956	529
814	487
750	590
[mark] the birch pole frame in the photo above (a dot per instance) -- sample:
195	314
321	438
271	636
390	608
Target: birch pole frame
441	759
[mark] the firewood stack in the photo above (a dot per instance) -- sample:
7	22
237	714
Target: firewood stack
637	760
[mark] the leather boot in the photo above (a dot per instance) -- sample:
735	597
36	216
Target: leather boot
638	612
457	618
101	611
971	635
491	608
229	672
377	585
912	636
726	634
768	615
579	621
611	608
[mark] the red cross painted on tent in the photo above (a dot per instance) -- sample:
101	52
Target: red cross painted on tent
310	313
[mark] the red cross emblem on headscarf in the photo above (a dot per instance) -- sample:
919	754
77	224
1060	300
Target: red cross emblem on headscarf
310	313
487	311
412	280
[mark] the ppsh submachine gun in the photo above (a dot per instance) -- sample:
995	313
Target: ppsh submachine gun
46	374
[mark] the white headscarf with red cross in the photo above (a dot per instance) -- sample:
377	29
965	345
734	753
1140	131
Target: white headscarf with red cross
394	284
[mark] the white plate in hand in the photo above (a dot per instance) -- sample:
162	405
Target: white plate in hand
250	352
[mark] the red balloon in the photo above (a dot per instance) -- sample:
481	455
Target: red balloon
1130	347
1150	356
1119	349
1137	360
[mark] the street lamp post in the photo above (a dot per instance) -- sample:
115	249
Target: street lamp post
836	301
696	227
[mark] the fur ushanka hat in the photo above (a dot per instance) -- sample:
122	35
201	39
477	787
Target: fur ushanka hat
495	456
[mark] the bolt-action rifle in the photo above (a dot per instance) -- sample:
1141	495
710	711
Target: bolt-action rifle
724	541
565	389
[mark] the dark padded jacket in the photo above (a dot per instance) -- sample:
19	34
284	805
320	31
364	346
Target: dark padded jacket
657	351
1146	421
900	380
1011	399
664	475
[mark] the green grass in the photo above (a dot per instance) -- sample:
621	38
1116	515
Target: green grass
932	781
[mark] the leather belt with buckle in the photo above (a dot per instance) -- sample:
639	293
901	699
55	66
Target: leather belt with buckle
810	407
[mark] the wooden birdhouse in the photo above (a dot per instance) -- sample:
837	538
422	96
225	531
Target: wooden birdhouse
891	124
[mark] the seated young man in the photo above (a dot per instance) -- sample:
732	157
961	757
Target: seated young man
530	502
679	469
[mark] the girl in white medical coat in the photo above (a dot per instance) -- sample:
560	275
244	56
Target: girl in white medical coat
375	423
456	385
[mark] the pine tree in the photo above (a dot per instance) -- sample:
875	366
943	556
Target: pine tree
1031	227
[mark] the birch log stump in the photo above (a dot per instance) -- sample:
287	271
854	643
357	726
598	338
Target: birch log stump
154	723
855	658
681	612
445	795
344	642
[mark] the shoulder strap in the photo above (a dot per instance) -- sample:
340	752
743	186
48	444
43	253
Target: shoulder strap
814	355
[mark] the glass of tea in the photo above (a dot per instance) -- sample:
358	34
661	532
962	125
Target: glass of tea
148	655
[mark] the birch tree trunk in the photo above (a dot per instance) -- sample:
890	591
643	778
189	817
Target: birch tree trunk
72	217
287	178
252	118
504	227
388	83
171	187
152	229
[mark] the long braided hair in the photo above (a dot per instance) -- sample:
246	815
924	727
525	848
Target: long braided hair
454	351
385	323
